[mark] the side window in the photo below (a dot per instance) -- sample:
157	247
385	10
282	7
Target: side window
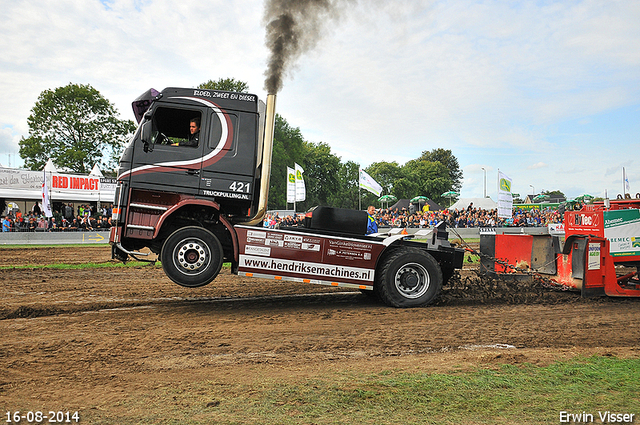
177	127
216	130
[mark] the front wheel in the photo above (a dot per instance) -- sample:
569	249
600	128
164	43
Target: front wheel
409	277
192	256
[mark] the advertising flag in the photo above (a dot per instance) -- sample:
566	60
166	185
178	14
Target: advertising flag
505	200
368	183
301	190
626	180
46	203
291	185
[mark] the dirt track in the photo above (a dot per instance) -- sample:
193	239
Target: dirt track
86	339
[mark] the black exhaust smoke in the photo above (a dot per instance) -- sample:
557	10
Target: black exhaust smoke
294	27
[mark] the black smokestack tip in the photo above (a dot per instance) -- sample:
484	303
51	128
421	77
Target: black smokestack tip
293	27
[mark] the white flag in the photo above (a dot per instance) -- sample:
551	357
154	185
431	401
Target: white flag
301	190
291	185
368	183
46	204
626	179
505	200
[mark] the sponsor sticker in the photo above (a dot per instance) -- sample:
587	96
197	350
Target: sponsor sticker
257	250
311	246
594	256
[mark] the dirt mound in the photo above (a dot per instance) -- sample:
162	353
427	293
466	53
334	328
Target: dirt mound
471	287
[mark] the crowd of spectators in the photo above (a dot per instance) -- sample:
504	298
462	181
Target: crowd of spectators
65	218
469	217
274	221
84	218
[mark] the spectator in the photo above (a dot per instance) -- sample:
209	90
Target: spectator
75	224
42	225
6	224
68	212
84	223
105	223
372	225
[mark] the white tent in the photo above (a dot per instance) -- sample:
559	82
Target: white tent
49	166
96	171
484	203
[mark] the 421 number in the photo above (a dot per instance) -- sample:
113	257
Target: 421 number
240	187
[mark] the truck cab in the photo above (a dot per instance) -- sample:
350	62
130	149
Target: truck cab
166	183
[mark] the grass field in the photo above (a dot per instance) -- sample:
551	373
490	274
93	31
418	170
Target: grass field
507	394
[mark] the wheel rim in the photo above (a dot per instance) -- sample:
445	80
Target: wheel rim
191	256
412	280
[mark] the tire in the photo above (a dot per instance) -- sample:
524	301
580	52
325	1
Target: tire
409	277
192	256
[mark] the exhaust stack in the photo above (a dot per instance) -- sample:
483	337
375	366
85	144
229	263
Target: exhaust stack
267	149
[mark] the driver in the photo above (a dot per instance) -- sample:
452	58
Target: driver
194	134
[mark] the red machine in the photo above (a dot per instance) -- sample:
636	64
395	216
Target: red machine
600	251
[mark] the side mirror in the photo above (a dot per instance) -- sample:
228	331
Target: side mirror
145	136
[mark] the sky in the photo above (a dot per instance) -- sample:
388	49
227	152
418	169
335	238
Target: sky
546	92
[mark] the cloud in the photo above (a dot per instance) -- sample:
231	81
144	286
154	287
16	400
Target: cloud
6	140
537	166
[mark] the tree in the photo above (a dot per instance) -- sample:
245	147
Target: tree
431	179
450	162
321	174
74	126
287	150
346	195
554	193
386	174
227	84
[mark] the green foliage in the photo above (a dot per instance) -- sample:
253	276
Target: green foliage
334	183
227	84
321	171
554	193
346	195
386	174
430	179
74	126
450	163
287	150
418	177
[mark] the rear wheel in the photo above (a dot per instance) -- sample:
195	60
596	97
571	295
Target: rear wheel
409	277
192	256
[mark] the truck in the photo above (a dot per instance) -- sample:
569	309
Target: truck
599	256
198	205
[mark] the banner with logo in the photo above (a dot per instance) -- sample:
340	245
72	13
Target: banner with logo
301	190
556	229
368	183
622	228
291	185
505	200
46	203
18	184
